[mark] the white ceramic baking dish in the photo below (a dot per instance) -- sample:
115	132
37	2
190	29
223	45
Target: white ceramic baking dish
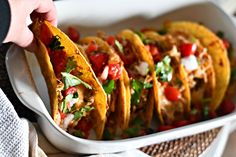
111	16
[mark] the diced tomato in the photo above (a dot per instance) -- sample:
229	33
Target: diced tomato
212	114
187	49
58	60
45	35
165	127
226	107
226	43
172	93
85	126
92	47
70	90
111	40
114	71
99	60
154	51
73	34
182	123
63	115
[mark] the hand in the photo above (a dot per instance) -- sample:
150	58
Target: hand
21	10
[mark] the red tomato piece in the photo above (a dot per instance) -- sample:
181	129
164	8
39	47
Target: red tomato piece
154	51
114	71
165	127
85	126
92	47
226	43
58	60
187	49
226	107
45	35
70	90
73	34
63	115
172	93
111	40
182	123
99	60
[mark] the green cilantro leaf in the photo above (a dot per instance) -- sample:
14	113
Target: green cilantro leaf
144	39
147	85
109	86
78	133
82	112
220	34
71	65
137	86
71	80
119	46
67	99
205	111
56	44
162	31
164	69
133	131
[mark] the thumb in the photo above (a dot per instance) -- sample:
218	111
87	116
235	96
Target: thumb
26	38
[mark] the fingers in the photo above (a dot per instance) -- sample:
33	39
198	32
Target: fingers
26	38
48	10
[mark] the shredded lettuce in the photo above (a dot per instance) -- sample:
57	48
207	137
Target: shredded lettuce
109	86
82	112
164	69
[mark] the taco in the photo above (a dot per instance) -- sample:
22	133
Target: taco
173	88
204	58
140	68
77	99
110	71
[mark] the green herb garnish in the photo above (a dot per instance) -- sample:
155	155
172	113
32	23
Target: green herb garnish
82	112
71	80
56	44
133	131
164	69
78	133
147	85
67	99
220	34
71	65
137	86
205	111
144	39
119	46
179	82
109	86
162	31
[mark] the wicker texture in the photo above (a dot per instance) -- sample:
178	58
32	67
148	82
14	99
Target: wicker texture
191	146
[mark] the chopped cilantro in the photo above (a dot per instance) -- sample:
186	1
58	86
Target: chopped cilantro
71	80
82	112
56	44
179	82
205	111
78	133
164	69
144	40
109	86
119	46
147	85
220	34
194	111
71	65
67	99
133	131
137	86
162	31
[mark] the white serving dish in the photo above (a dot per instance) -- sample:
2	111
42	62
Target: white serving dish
111	16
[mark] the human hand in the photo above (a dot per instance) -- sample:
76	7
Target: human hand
19	32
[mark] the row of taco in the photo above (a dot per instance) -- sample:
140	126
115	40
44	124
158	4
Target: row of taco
115	85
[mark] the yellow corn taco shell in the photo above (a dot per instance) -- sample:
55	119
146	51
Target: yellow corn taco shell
142	54
98	115
172	111
215	49
119	104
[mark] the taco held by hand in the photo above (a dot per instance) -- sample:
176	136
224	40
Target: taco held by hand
110	71
77	99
